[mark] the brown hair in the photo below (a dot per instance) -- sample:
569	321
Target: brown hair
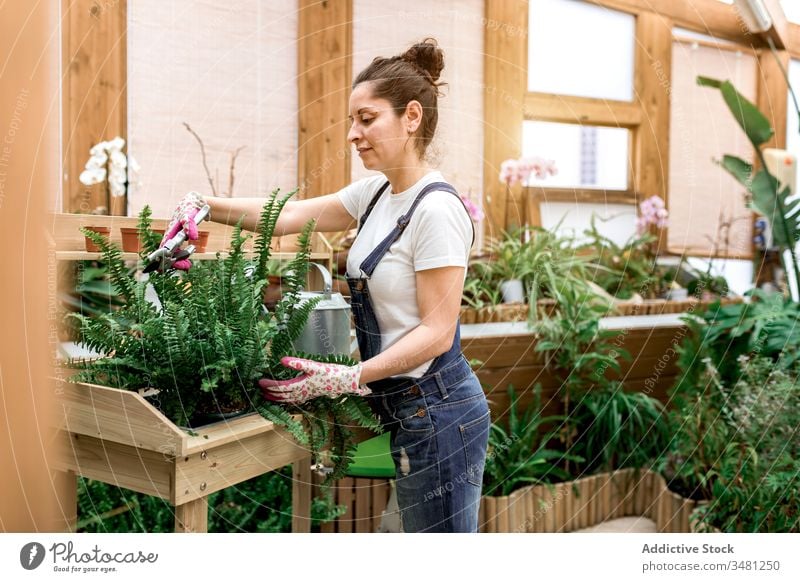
413	75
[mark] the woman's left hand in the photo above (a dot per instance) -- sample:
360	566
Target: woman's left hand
319	379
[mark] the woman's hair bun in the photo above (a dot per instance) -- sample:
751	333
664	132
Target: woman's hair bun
427	56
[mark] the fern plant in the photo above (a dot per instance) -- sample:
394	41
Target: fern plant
518	453
201	343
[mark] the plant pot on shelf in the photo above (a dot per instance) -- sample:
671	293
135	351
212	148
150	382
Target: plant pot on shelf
512	291
201	243
130	240
272	292
103	230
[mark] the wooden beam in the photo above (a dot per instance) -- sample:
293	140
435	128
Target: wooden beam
324	54
706	16
773	94
568	109
653	74
582	195
505	73
779	32
192	517
794	40
301	496
94	102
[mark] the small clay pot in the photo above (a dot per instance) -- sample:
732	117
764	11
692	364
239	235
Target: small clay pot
130	240
103	230
200	243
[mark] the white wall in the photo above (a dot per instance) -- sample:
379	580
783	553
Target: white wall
229	70
386	29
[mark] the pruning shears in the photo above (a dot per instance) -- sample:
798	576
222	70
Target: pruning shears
165	257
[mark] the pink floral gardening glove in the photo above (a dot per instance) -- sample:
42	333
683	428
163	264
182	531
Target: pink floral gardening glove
320	379
183	219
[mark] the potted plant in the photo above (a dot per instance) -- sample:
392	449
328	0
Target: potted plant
199	347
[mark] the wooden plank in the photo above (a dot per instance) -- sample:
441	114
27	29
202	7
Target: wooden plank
582	195
64	232
773	95
66	483
346	498
502	514
116	416
204	472
324	56
653	71
581	110
192	517
363	512
94	52
122	465
380	491
301	496
505	74
705	16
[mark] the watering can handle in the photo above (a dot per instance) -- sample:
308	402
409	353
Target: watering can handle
327	281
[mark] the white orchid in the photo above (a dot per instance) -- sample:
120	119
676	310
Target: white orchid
108	161
92	176
115	144
118	159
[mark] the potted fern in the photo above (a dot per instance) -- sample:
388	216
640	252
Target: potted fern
198	346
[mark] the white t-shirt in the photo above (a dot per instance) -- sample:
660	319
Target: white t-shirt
438	235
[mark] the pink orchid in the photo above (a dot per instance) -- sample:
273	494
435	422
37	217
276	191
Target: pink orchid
475	212
513	171
652	211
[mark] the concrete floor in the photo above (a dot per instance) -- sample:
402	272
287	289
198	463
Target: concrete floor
622	525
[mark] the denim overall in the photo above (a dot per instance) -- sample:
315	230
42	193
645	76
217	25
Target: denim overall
439	423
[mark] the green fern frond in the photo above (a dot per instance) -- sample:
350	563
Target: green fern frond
112	255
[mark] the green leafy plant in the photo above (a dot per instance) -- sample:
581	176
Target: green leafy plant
752	479
518	453
545	262
206	338
618	429
767	325
763	187
624	270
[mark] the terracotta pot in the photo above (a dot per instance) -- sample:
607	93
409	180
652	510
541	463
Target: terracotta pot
200	243
90	246
130	240
273	292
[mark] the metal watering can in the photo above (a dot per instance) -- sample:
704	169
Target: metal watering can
327	330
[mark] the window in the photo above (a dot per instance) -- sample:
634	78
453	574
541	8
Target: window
570	46
586	156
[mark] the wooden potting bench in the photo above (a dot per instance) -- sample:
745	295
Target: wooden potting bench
117	437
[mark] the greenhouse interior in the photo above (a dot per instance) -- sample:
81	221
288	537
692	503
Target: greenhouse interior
349	266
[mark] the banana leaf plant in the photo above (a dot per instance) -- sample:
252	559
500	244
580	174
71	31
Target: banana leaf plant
764	189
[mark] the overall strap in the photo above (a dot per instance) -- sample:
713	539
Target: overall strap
369	263
370	206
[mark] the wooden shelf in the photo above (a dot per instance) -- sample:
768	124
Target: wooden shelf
87	256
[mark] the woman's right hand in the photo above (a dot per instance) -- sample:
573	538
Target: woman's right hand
183	217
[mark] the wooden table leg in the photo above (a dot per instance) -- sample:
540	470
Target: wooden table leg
66	485
192	517
301	496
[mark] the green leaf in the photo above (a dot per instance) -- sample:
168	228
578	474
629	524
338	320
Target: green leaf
750	119
739	169
784	228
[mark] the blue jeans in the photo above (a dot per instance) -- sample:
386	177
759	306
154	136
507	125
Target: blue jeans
439	428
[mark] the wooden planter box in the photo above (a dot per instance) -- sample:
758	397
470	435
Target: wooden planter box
574	505
117	437
508	312
560	508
